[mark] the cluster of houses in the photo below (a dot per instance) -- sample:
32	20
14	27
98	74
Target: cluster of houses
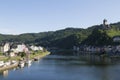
110	49
97	49
11	49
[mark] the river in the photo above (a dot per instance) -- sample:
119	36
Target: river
55	67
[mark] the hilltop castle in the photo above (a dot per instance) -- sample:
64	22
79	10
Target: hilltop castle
105	25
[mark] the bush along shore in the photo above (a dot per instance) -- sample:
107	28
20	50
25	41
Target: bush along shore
20	60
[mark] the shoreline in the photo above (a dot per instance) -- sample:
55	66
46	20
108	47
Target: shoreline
11	66
8	67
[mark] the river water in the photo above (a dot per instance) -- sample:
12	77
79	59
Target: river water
55	67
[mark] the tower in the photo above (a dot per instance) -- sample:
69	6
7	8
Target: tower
104	22
106	25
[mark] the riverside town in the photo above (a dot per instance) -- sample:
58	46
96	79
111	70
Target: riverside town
16	54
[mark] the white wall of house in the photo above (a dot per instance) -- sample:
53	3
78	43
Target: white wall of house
40	48
6	47
11	54
20	48
34	48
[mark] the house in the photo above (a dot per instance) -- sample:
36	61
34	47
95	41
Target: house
40	48
5	48
1	63
20	48
34	48
116	39
12	54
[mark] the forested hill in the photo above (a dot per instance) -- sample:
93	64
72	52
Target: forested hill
102	37
67	38
64	38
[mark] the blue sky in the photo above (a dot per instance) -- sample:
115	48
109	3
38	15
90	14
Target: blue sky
27	16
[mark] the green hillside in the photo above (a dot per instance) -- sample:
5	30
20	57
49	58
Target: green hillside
113	32
67	38
98	38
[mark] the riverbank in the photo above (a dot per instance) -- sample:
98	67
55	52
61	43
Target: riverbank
16	59
43	54
8	67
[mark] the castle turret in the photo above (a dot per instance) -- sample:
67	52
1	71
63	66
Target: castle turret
105	22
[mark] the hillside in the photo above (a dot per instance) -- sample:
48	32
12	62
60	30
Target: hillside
102	37
67	38
98	38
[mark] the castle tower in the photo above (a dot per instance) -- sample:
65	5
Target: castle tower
105	22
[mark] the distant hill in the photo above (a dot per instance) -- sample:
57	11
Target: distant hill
64	38
67	38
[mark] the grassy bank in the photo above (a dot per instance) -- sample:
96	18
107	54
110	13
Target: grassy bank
38	54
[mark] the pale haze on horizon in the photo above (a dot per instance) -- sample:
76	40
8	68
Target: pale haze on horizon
32	16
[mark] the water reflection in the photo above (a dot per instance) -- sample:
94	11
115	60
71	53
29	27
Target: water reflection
28	65
4	73
89	58
84	59
54	67
94	67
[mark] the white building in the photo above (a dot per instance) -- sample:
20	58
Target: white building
12	54
35	48
40	48
20	48
5	48
116	39
1	63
